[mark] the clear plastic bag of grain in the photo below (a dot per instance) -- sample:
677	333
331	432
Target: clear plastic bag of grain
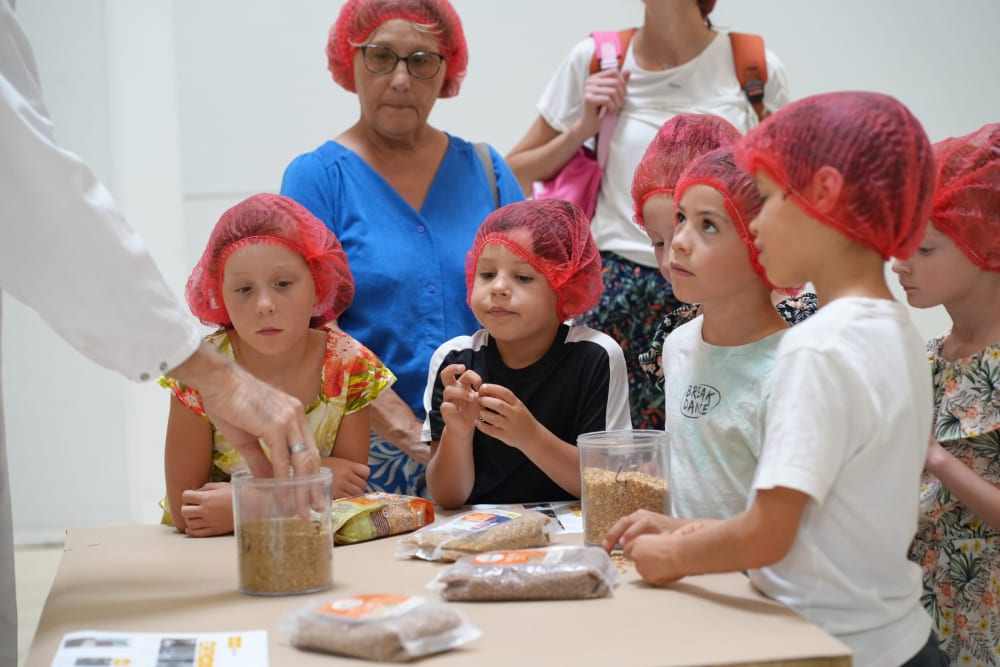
550	573
477	531
379	627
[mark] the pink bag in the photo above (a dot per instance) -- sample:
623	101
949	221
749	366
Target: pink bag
579	180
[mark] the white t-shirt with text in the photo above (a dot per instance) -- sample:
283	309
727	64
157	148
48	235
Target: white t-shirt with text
716	404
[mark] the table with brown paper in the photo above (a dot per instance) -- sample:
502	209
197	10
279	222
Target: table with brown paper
152	579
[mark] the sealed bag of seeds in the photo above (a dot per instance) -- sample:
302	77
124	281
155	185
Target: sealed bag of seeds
550	573
477	531
373	515
377	627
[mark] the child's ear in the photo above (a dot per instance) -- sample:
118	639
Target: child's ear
825	188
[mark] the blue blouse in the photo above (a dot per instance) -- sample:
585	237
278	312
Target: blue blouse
408	265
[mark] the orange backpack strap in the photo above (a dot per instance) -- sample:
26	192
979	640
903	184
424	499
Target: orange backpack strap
751	68
624	37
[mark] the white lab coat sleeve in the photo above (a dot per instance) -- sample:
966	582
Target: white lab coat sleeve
65	249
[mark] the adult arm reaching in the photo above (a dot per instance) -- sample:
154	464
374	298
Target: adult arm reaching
67	252
61	223
247	411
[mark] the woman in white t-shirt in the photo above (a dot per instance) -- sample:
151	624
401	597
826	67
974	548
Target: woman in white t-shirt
675	63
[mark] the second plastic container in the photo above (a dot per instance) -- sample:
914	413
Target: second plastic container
621	472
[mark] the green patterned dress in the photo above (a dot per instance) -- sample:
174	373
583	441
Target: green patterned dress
958	553
352	377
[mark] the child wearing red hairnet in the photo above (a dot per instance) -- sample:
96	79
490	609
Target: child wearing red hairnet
271	277
506	404
718	366
679	141
847	181
958	266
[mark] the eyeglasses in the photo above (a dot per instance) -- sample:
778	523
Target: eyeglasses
383	60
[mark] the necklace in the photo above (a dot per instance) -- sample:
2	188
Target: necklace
648	58
649	61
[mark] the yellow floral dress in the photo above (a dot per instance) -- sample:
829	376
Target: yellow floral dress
352	377
958	553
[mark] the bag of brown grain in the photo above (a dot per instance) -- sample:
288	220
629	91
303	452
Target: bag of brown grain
477	531
549	573
377	627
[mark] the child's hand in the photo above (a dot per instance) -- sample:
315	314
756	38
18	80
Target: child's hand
503	416
208	511
640	522
349	477
654	560
460	400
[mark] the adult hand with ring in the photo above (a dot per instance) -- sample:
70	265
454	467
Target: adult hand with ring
248	411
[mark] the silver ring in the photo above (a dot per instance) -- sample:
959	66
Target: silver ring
298	448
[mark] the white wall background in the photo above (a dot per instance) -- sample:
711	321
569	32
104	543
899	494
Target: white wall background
184	107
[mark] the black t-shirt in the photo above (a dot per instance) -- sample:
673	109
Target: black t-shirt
569	391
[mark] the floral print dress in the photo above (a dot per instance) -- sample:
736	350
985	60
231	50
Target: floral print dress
352	377
958	553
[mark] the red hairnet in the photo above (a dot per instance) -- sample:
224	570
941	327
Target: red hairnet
717	169
562	249
268	218
967	199
706	6
678	141
880	150
359	18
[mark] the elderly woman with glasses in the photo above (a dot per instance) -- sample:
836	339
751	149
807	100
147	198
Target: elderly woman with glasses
405	199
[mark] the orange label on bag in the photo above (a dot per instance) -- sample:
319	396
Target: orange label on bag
486	519
365	606
509	557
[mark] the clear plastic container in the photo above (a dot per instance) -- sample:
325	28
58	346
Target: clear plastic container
621	472
283	533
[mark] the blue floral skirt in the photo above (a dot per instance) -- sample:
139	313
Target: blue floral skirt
392	470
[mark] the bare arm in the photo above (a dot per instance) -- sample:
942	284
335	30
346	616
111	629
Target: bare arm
187	457
349	459
394	421
544	150
451	472
979	495
246	409
556	458
761	536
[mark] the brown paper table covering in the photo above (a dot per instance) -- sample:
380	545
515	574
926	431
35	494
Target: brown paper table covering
152	579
